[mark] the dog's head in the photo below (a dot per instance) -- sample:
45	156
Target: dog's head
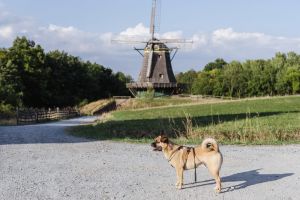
160	142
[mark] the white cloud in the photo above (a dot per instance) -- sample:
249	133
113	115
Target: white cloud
229	37
231	44
136	34
138	30
68	38
12	26
223	35
172	35
6	32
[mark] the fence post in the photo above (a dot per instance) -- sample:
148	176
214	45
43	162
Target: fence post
57	113
77	111
48	114
17	115
36	116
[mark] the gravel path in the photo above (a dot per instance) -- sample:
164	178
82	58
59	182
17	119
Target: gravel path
42	162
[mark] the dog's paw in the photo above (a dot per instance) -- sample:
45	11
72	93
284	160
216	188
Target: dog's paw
179	186
217	189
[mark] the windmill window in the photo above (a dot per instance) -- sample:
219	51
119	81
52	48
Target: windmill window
161	76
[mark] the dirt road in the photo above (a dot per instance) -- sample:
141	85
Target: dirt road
43	162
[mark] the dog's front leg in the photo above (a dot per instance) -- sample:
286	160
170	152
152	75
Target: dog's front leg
179	173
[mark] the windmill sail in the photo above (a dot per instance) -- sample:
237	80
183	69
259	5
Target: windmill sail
152	22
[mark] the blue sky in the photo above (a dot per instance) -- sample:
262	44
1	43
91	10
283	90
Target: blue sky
231	29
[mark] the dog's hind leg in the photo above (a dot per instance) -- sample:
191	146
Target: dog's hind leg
214	165
214	170
218	181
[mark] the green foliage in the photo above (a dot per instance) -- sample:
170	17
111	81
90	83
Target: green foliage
234	79
276	76
30	77
187	79
293	77
149	94
5	110
208	82
83	103
202	85
219	63
10	86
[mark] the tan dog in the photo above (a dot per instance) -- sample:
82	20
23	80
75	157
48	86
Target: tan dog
185	158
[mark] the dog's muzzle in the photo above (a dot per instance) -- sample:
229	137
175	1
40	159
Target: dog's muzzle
155	147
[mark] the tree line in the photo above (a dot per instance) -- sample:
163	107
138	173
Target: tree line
279	75
32	78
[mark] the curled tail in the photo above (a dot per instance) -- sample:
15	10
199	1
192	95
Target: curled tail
210	144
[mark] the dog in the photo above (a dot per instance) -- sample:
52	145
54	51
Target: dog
185	158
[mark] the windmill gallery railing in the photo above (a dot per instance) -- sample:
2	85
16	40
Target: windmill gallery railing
29	115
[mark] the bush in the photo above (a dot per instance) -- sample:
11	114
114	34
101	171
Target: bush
6	110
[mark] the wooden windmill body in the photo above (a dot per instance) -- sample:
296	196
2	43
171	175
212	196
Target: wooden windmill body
156	72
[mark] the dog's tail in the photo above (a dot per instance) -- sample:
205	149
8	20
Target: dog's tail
210	144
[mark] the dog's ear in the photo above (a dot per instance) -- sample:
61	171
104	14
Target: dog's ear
164	139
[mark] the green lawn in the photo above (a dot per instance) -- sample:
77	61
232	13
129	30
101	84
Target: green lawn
263	121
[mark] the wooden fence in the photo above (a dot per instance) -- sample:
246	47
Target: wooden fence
29	116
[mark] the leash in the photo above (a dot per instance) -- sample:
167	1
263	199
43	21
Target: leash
195	170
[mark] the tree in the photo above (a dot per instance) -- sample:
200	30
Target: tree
67	79
121	80
187	79
219	63
28	61
261	76
10	84
279	61
202	85
234	79
289	81
293	75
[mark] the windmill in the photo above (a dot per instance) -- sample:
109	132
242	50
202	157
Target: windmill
156	72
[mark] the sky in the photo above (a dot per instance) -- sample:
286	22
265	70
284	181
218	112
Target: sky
231	29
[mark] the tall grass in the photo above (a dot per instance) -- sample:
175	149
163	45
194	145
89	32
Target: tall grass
250	130
263	121
144	103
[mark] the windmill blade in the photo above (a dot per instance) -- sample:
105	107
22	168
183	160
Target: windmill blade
175	41
149	67
152	22
155	17
127	41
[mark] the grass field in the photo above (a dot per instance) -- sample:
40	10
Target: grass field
262	121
